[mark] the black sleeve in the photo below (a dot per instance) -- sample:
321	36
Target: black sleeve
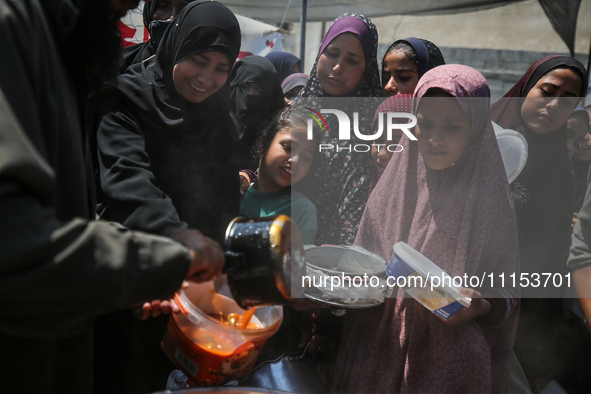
58	270
129	189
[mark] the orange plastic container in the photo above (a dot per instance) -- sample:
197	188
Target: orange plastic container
208	350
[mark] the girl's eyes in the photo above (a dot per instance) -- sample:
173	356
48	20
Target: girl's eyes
424	126
203	63
451	128
331	54
353	62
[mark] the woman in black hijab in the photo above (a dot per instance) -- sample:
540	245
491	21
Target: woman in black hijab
163	135
158	14
255	98
163	150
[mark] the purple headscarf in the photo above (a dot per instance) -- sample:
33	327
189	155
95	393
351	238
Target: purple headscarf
351	24
366	32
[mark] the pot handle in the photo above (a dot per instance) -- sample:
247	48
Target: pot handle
235	261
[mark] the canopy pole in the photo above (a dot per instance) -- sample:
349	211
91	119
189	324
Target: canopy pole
303	18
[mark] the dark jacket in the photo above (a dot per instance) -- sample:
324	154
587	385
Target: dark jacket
58	269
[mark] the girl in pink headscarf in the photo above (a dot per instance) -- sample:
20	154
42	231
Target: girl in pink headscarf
448	197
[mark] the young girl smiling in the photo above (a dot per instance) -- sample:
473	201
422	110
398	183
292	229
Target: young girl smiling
286	155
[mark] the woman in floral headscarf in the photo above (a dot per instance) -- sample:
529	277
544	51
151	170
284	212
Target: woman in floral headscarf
446	196
346	67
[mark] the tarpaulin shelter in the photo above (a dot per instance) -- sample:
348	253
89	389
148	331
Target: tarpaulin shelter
561	14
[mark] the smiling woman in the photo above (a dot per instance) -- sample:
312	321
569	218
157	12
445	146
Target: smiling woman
163	137
199	76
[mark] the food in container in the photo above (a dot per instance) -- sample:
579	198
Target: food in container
412	269
205	344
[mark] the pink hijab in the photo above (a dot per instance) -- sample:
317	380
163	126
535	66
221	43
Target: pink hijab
462	218
398	103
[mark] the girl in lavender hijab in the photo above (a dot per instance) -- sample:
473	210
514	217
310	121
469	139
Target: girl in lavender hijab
447	197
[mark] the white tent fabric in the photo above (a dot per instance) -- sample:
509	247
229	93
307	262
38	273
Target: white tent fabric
258	38
562	14
274	11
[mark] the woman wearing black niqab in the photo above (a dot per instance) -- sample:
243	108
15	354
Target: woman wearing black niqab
164	166
139	52
253	106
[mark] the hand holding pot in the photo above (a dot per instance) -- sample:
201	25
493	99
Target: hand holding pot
207	257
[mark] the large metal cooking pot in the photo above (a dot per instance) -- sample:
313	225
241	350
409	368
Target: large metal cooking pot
265	260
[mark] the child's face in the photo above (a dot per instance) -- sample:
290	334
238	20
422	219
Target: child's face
551	101
583	152
303	151
443	131
288	159
576	131
293	93
399	74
